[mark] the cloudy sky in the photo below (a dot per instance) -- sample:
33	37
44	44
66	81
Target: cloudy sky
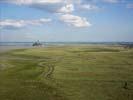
66	20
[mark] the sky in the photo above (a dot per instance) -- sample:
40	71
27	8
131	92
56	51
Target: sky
66	20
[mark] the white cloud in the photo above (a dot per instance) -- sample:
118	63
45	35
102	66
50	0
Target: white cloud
8	23
130	5
75	21
48	1
54	6
88	7
66	9
28	2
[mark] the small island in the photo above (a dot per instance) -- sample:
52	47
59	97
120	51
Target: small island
37	43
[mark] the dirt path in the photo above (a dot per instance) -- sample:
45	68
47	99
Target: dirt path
50	69
41	64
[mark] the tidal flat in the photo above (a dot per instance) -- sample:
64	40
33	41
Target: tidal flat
75	72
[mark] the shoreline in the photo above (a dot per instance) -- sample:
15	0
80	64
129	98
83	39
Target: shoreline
9	48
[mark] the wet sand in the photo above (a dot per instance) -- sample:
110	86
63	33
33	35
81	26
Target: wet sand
8	48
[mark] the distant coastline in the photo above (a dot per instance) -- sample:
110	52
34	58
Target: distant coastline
6	46
60	43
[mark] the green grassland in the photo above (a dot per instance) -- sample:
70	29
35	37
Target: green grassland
67	73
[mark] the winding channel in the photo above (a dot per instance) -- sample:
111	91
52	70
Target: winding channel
50	69
41	64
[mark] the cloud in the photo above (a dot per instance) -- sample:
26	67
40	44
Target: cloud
29	2
65	7
130	6
69	8
14	24
75	21
53	6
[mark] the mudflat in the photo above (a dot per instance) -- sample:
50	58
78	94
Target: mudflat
67	73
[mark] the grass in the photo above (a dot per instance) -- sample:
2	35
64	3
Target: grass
67	73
